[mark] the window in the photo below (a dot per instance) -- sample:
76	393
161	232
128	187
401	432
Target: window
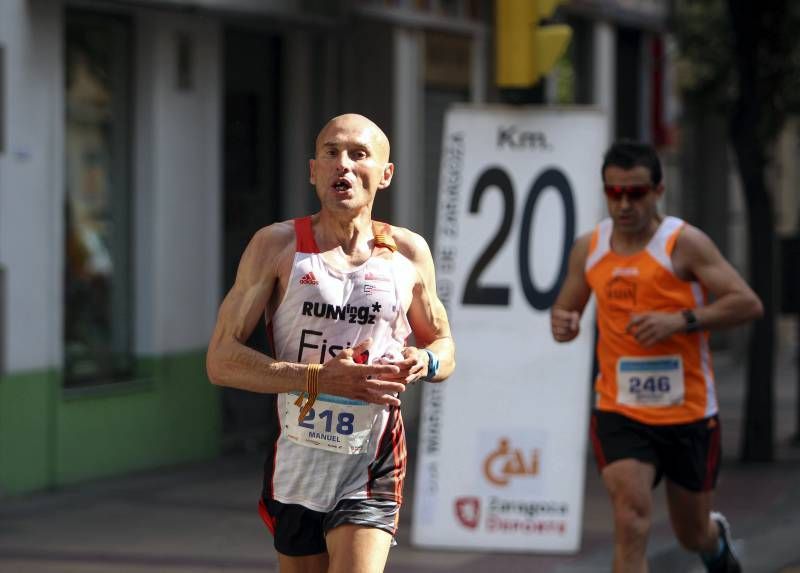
97	265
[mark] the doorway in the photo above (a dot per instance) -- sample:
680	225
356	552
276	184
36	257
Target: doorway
252	197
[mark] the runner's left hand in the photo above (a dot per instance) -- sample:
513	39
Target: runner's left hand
649	328
413	366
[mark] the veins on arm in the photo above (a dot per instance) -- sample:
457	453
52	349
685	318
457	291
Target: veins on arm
229	361
426	313
697	258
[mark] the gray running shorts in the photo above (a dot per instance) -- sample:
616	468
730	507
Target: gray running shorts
299	531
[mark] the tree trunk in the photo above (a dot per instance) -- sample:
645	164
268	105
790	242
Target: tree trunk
759	428
751	153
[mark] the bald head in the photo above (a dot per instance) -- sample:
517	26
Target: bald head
359	128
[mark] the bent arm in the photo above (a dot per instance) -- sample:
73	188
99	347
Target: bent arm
734	302
426	313
574	294
229	361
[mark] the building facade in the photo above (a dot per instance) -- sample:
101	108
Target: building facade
142	143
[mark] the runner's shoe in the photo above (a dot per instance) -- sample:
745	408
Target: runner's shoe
727	562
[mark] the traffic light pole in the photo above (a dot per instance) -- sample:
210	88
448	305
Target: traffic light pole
522	96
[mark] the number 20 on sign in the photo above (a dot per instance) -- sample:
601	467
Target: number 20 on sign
498	178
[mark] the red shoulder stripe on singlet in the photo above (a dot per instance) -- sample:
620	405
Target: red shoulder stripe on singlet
305	236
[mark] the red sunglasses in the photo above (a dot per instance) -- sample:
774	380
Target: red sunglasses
632	192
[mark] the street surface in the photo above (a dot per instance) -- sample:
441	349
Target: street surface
202	518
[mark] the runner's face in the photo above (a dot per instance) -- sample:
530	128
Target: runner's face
632	211
351	163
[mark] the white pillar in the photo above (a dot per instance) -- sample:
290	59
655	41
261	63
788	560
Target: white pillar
31	183
604	83
479	73
407	135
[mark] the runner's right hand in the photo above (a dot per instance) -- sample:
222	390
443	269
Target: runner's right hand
344	376
564	324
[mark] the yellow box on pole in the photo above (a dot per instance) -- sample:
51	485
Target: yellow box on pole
524	50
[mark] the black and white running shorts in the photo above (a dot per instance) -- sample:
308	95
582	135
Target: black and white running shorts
299	531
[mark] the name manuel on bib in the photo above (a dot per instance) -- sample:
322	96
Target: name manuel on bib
326	437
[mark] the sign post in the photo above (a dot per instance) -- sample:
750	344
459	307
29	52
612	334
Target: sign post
502	450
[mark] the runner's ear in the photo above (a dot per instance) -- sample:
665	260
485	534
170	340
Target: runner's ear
312	176
388	171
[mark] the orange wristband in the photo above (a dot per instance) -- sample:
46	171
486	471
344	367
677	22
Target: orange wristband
311	393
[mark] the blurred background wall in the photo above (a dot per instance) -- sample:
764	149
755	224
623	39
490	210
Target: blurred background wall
143	142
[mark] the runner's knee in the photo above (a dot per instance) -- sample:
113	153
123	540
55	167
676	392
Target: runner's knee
631	518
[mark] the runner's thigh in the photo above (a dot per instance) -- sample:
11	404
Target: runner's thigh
359	533
690	454
358	549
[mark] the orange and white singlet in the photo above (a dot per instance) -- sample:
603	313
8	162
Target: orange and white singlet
343	448
671	382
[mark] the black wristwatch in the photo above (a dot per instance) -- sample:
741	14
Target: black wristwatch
691	321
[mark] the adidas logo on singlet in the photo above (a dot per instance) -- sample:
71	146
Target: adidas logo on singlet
309	279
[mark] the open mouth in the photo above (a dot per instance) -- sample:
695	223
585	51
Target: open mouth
342	185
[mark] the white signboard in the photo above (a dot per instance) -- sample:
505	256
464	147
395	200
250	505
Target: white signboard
502	449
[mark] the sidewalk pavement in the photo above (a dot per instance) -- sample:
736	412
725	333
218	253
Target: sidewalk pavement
202	518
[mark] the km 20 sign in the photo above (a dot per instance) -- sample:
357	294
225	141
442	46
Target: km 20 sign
502	444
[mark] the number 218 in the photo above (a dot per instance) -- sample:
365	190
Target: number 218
343	427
